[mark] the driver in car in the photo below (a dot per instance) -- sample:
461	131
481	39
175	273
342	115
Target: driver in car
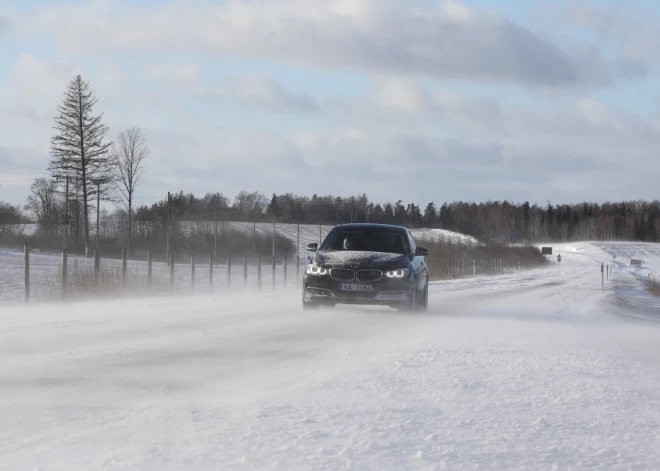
349	243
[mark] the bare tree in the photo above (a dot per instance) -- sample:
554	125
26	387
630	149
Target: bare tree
79	148
128	157
43	204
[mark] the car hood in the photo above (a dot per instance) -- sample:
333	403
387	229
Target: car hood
363	259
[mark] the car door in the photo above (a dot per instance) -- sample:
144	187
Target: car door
418	264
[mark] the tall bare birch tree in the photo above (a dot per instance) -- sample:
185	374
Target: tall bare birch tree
128	156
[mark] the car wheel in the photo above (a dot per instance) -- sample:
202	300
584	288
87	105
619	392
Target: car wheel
309	305
412	305
424	301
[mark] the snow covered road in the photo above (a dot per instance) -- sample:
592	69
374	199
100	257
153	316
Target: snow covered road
531	370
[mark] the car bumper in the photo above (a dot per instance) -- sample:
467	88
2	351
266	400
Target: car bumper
387	292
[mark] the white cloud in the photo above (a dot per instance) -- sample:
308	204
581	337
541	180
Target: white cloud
4	26
407	36
398	95
455	10
42	82
180	74
257	92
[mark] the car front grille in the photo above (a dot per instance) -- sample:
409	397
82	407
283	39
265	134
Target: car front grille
369	275
342	274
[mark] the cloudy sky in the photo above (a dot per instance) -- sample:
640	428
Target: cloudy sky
417	100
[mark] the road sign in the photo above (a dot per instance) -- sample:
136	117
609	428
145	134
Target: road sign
546	250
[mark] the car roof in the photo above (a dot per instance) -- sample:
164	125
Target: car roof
368	225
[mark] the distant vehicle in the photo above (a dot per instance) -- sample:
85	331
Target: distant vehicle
374	264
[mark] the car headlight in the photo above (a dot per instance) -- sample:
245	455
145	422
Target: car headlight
315	270
401	273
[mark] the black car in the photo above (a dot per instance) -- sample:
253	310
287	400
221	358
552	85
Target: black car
367	264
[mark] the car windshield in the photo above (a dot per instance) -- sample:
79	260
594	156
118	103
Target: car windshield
366	240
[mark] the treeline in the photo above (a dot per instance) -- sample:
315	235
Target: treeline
491	221
9	217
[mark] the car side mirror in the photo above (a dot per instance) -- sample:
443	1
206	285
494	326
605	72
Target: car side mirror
312	247
421	252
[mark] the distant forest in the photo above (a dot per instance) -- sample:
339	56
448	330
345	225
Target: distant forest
491	221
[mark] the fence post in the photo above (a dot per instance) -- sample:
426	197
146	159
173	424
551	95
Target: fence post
229	271
602	277
298	259
64	272
192	273
259	272
124	262
211	271
97	267
149	269
26	250
274	268
518	266
245	270
171	258
474	268
284	265
608	272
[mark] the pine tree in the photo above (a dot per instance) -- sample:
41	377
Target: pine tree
430	215
274	207
400	213
378	214
79	148
445	215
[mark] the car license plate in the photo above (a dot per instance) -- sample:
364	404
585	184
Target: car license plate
355	287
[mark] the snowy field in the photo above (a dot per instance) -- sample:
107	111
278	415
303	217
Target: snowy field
308	232
532	370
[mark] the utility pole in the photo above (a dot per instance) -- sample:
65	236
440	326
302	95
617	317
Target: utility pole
98	211
75	241
66	215
169	215
215	239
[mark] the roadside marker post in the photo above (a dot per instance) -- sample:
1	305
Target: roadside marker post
192	274
211	258
26	261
